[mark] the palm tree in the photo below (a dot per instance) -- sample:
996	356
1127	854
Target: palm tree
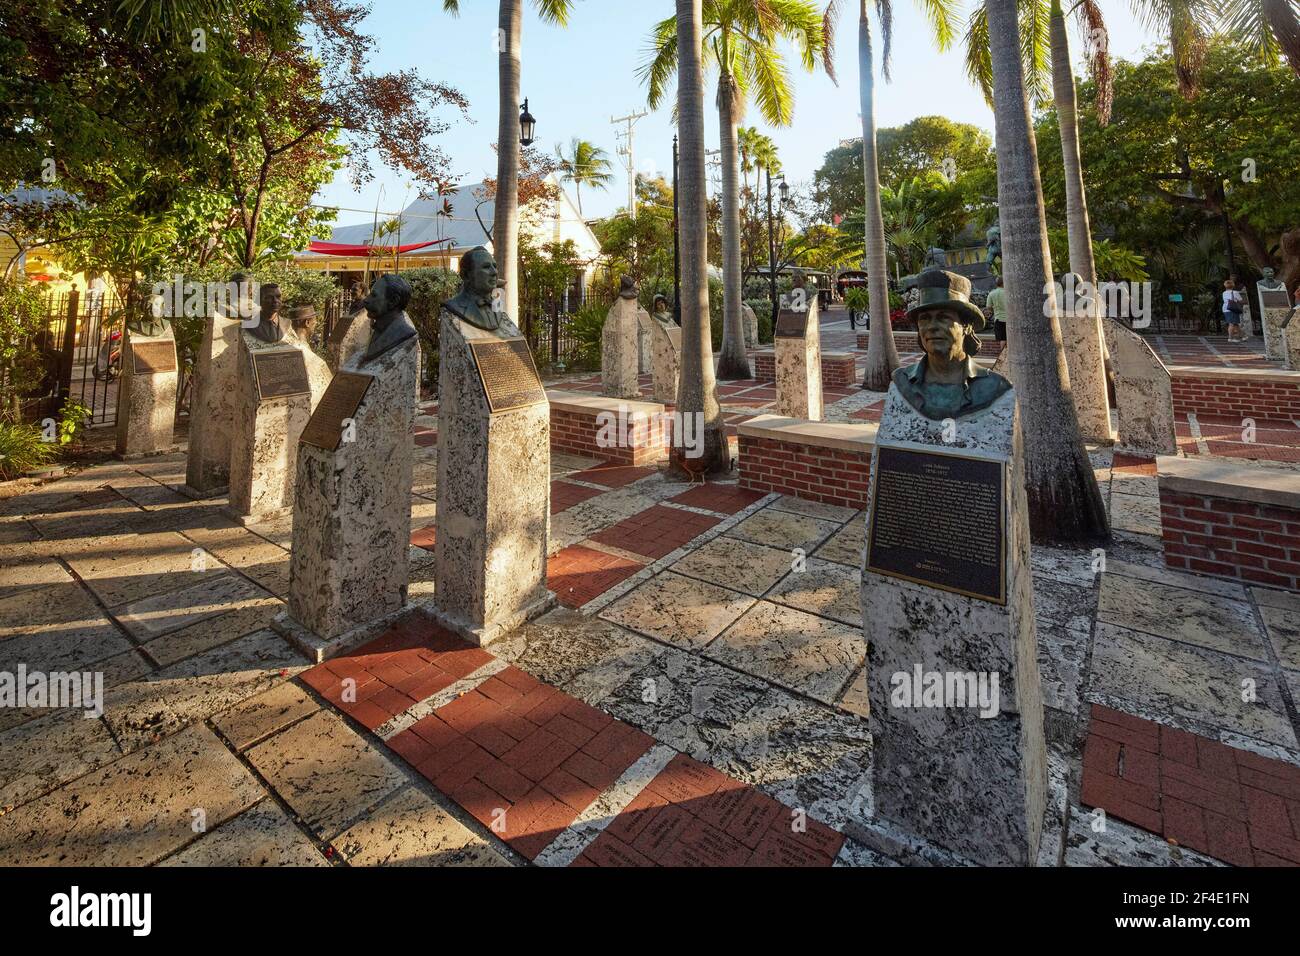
697	391
1064	500
505	225
1269	28
739	40
586	163
882	354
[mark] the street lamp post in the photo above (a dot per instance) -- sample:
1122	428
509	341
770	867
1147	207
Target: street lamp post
527	125
771	249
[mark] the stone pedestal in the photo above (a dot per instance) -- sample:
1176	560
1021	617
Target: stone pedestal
1291	336
269	417
645	340
1274	307
1144	396
146	395
798	348
212	408
619	351
947	603
1081	338
666	346
352	512
750	323
494	477
348	338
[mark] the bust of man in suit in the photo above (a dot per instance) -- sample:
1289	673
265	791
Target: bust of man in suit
389	324
267	328
478	281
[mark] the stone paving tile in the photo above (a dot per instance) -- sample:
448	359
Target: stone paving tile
783	529
1069	605
736	564
115	670
856	697
1062	654
139	712
581	521
79	637
823	588
613	475
246	615
409	829
846	545
50	610
155	615
1283	626
655	532
19	577
1138	514
167	564
326	772
255	719
1067	565
583	656
1120	844
262	835
1179	579
134	811
814	509
1176	613
41	754
1152	675
577	574
1230	804
677	609
805	653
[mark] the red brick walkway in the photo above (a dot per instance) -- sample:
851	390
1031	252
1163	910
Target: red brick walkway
655	532
526	759
1233	805
579	574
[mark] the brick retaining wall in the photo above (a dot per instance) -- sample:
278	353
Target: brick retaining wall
828	462
837	368
1245	393
576	428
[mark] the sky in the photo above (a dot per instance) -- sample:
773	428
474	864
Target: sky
579	77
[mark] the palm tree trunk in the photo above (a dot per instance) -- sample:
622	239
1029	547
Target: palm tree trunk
505	223
733	363
882	354
1064	502
1084	351
697	394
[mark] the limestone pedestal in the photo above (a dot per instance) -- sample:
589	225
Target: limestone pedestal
212	409
666	344
644	339
349	568
1144	396
146	395
1081	338
798	348
494	479
947	518
1273	310
349	337
619	351
750	323
1291	336
264	435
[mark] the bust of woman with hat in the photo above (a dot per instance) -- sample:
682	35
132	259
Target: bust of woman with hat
947	383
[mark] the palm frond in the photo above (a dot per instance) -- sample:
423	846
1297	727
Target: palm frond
554	11
768	81
830	19
979	59
1096	53
661	62
944	19
885	14
1036	47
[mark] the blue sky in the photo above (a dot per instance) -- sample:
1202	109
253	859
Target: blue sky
576	78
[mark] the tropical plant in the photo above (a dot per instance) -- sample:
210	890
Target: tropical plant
1270	29
740	40
1064	502
505	227
22	322
23	448
585	164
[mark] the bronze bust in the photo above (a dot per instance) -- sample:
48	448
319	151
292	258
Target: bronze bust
947	383
389	324
145	317
478	281
267	328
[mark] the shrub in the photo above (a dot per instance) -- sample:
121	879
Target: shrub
585	327
430	288
22	324
23	448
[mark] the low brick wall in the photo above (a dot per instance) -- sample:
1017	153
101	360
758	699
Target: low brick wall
837	367
1231	521
909	342
624	431
828	462
1236	392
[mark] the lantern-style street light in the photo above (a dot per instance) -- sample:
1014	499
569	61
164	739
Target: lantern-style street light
527	125
785	191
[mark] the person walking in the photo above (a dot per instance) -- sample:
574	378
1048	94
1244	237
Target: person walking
997	301
1234	304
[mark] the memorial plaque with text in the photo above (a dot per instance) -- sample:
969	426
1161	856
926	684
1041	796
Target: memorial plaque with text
339	403
280	373
343	325
151	358
791	324
1273	299
505	366
939	520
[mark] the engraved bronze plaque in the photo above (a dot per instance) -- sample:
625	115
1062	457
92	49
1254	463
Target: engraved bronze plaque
280	373
791	324
339	403
939	520
150	358
343	325
505	366
1273	299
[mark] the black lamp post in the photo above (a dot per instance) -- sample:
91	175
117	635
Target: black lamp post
527	125
785	191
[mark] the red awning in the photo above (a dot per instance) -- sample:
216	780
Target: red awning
347	249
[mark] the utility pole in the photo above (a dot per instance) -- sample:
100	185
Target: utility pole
629	157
